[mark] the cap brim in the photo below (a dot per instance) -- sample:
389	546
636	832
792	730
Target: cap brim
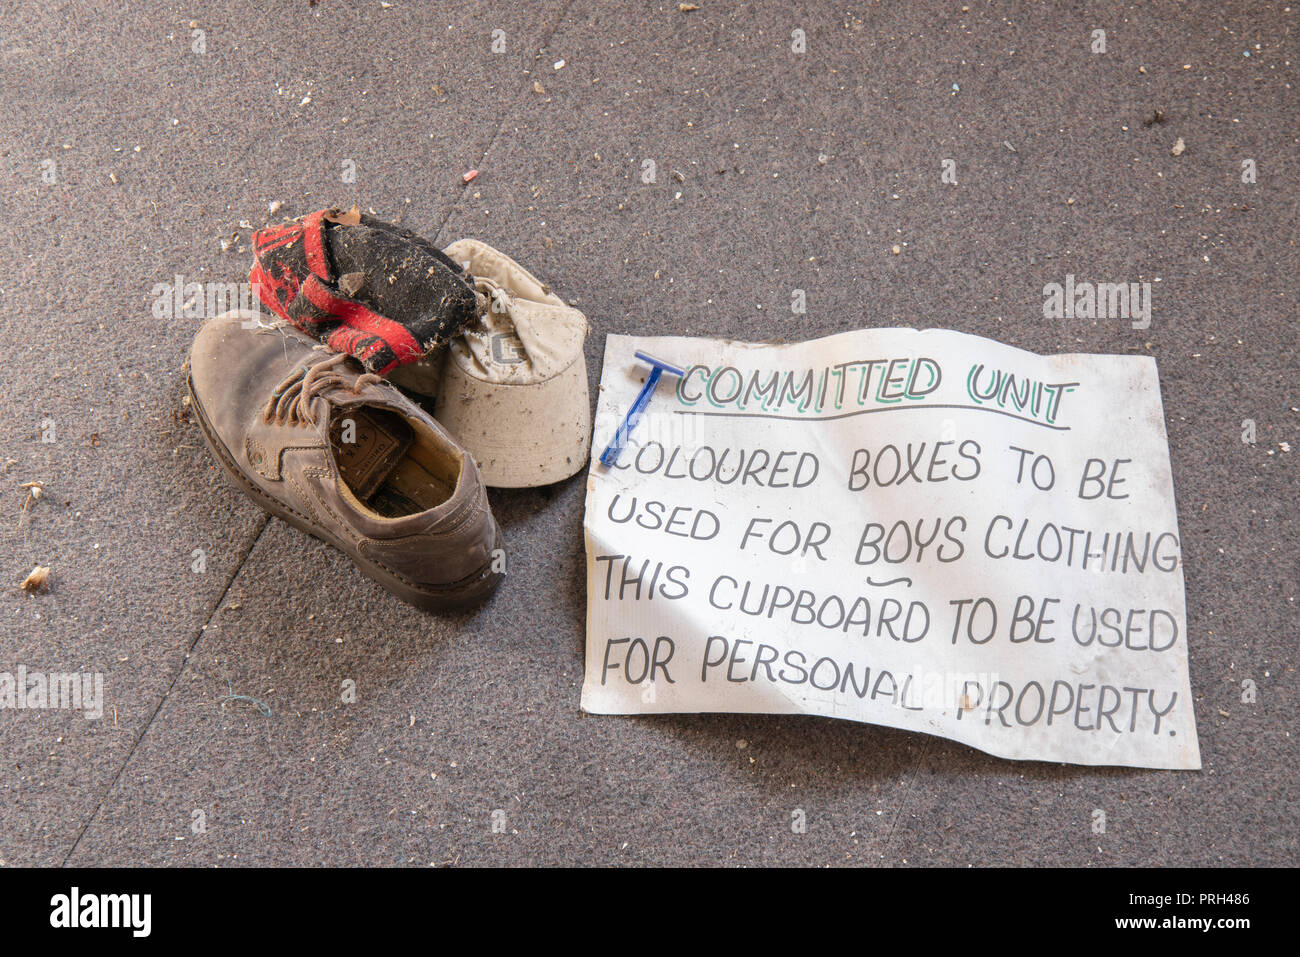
521	436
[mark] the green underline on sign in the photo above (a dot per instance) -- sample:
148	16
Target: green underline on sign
846	415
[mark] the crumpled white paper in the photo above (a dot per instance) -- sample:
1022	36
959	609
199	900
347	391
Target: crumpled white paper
921	529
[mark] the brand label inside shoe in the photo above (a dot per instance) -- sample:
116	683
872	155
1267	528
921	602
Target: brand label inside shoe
368	444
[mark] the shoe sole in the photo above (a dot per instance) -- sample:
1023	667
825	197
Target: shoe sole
469	591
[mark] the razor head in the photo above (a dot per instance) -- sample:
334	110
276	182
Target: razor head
660	364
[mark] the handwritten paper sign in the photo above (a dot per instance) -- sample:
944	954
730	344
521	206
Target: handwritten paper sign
921	529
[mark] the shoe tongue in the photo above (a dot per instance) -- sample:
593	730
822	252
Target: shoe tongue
368	443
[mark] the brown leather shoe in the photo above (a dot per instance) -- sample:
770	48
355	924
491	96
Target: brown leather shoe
342	455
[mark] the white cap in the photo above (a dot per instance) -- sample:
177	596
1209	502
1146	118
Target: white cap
513	387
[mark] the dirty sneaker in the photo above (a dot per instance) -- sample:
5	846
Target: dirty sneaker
339	453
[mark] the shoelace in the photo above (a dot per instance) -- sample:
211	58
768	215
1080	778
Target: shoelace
291	400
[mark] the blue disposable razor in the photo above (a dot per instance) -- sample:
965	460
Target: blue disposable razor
658	367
